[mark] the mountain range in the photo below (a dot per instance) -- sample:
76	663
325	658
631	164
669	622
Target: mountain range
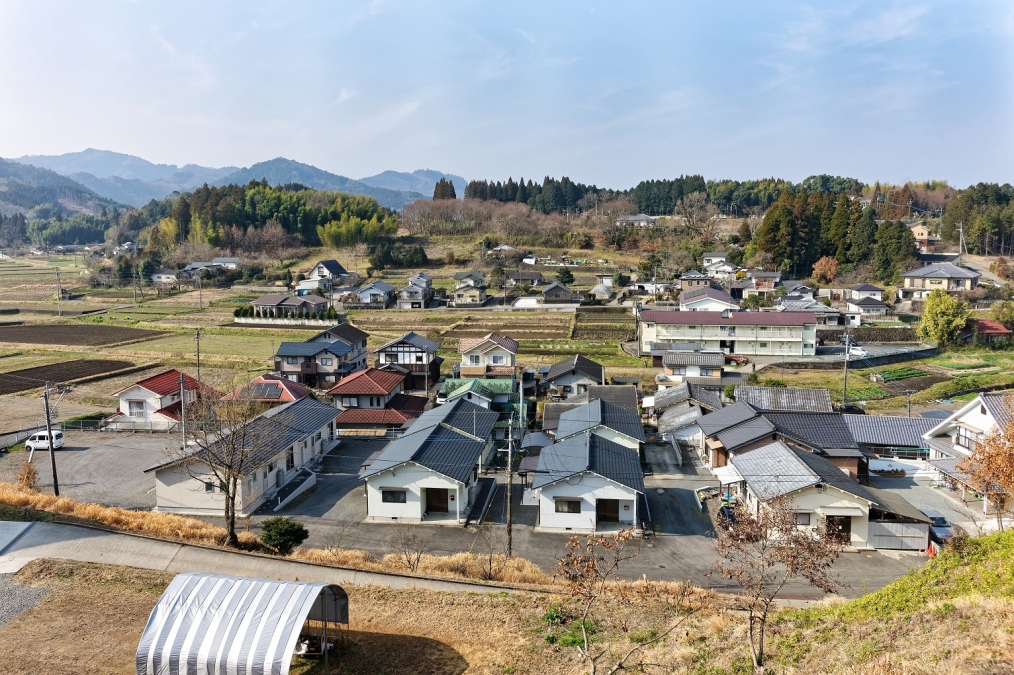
24	188
127	179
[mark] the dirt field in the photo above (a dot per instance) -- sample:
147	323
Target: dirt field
30	378
73	334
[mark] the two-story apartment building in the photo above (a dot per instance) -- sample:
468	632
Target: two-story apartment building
750	333
277	448
491	356
414	356
917	284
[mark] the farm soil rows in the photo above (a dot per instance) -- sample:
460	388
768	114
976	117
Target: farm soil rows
30	378
73	334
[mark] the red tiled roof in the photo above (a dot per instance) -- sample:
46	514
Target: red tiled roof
989	327
510	344
165	383
371	416
172	411
290	391
369	381
407	405
734	318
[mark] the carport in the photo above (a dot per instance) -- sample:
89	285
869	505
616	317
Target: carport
216	623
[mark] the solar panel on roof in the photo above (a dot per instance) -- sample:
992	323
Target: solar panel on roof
263	390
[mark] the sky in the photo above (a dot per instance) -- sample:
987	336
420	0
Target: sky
605	93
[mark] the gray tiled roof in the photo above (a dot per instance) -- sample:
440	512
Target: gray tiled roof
943	270
678	417
999	406
332	266
832	475
944	445
820	431
705	397
727	417
745	432
575	363
588	452
338	348
712	359
345	332
600	413
785	398
706	292
773	470
889	430
670	396
415	340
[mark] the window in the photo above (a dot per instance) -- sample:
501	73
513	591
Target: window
290	460
222	487
271	467
803	519
350	402
326	361
393	496
763	345
707	372
418	358
498	359
723	328
568	506
209	486
136	408
474	359
291	360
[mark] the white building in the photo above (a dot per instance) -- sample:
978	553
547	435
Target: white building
431	474
491	356
707	299
587	483
281	444
165	276
154	403
712	257
751	333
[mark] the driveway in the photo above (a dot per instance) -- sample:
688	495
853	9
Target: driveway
102	467
922	495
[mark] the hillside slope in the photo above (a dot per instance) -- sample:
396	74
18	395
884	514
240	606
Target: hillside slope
24	187
280	171
421	181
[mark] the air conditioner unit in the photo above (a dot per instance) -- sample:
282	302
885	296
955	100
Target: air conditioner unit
821	488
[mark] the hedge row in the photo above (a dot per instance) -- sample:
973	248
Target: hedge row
249	311
866	334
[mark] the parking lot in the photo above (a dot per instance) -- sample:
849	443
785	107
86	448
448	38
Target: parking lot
101	467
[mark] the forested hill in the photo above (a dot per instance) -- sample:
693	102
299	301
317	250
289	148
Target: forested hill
281	171
25	188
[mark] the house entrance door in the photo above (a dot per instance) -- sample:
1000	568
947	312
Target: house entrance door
839	528
607	510
436	500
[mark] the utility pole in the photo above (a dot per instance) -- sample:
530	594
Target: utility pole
200	293
49	439
197	338
510	482
183	410
59	293
845	379
133	284
908	393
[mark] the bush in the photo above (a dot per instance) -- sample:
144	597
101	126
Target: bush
283	534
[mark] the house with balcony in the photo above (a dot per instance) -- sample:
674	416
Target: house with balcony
375	295
372	400
431	473
712	257
707	299
925	241
318	365
491	356
469	290
469	279
331	273
154	403
917	284
416	295
748	333
355	338
677	366
279	448
413	356
587	483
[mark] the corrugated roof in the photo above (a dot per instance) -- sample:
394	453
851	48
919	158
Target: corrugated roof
600	413
588	452
678	417
942	270
734	319
822	431
706	292
750	431
338	348
890	430
575	363
712	359
896	504
367	382
785	398
501	387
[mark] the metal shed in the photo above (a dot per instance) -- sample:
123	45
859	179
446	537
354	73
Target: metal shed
212	623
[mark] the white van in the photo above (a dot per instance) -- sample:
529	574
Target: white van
40	441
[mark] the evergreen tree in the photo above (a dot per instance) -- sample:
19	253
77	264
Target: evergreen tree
444	189
838	234
864	235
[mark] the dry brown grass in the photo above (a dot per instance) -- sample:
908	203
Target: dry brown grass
517	571
161	525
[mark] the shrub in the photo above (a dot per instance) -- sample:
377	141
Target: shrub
283	534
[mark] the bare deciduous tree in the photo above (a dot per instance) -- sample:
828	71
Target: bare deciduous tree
590	567
697	214
491	547
762	552
340	536
358	251
990	467
410	545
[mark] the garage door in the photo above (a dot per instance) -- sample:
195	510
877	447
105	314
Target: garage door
899	536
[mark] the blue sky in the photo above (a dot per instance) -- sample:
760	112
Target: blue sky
604	93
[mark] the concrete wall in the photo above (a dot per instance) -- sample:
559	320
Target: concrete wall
588	489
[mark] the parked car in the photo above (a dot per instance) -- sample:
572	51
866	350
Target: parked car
940	529
851	409
848	340
858	353
737	359
40	441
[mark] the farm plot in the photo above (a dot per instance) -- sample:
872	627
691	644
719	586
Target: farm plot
30	378
549	326
604	326
74	334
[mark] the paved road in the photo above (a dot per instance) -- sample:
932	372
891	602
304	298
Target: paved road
921	494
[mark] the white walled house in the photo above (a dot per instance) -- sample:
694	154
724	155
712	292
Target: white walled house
866	291
155	402
587	483
750	333
490	356
431	473
707	299
573	376
281	444
413	355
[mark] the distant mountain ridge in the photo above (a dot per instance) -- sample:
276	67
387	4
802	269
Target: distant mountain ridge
421	181
280	171
24	187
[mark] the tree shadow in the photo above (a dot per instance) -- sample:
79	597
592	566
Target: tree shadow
384	653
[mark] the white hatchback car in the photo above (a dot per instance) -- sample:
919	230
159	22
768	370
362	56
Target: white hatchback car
40	441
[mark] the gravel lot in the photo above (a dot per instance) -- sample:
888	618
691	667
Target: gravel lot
17	598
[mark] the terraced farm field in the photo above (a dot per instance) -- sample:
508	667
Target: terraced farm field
604	326
30	378
548	326
73	334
